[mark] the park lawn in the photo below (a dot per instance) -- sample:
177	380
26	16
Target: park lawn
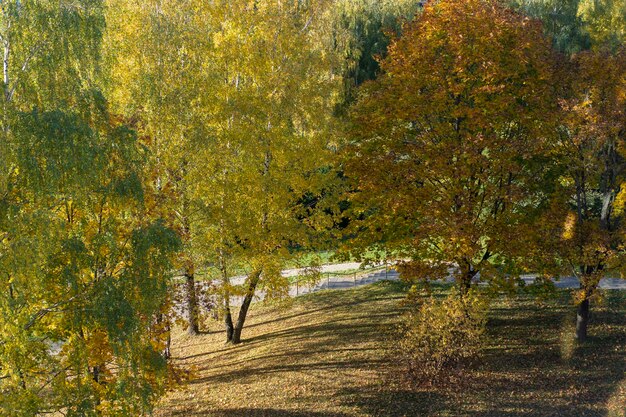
327	354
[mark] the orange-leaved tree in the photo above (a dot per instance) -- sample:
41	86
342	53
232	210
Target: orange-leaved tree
448	145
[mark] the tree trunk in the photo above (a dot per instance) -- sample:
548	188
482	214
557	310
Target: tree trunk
5	70
228	318
167	353
96	374
582	320
589	280
243	310
228	323
465	283
161	319
192	303
96	377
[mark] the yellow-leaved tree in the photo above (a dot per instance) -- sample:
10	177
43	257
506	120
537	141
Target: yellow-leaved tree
237	98
269	144
592	134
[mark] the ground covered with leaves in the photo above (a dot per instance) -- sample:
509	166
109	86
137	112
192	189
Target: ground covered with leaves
330	354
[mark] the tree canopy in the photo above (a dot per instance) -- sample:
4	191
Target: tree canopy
447	143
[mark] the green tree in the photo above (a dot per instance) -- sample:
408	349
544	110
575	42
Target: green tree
561	21
361	32
84	269
578	25
605	21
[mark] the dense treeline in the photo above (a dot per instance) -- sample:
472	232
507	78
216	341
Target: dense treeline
145	143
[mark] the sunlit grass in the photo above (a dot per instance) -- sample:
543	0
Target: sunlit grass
568	339
616	406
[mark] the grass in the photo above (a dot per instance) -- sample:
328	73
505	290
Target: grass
326	354
300	259
349	273
307	258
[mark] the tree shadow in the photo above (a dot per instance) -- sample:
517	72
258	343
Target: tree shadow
528	374
394	402
341	328
252	372
328	300
523	371
255	412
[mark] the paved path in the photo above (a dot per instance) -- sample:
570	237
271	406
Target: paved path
572	282
336	282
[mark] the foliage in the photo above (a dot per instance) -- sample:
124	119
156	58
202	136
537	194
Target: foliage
578	25
156	54
448	147
561	21
84	266
588	240
86	273
143	138
605	21
591	148
362	30
441	337
237	101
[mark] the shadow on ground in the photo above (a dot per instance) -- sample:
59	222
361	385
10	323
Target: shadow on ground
329	356
533	367
254	412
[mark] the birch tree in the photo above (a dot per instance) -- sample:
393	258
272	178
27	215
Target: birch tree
269	140
83	267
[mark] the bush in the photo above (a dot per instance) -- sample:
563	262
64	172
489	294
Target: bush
441	337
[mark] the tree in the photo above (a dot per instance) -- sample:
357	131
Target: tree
236	98
361	32
591	35
578	25
592	136
84	268
447	144
267	144
561	21
160	76
605	21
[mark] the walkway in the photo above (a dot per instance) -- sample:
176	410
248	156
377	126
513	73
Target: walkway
332	280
